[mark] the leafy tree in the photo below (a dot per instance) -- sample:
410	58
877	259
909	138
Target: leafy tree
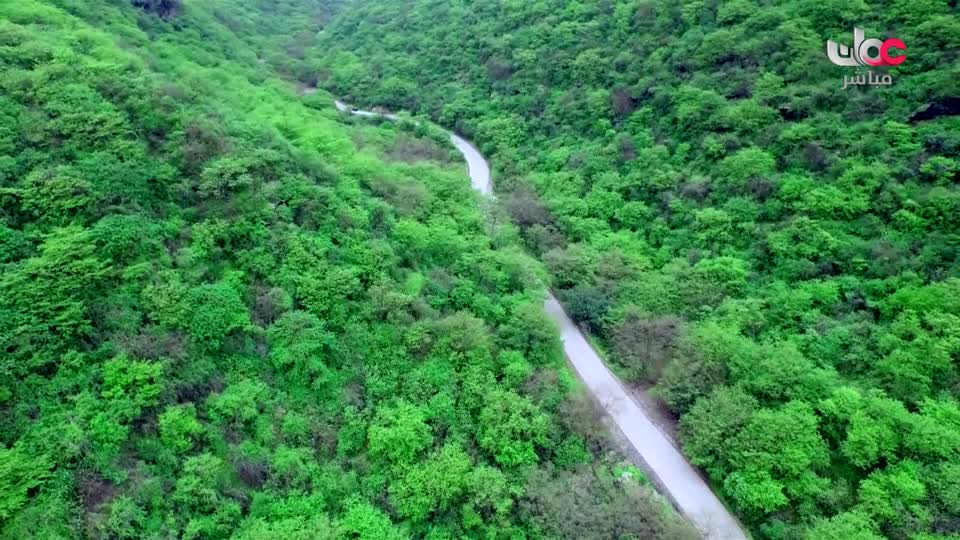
893	496
179	427
215	311
848	525
433	486
712	422
589	305
511	428
646	345
130	386
46	298
19	475
363	521
57	194
300	344
776	456
399	433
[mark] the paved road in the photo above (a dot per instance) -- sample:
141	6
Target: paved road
680	480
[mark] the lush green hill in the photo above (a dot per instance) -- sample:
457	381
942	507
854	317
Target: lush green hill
779	255
226	311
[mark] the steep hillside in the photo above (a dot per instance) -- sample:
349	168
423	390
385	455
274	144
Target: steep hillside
226	311
779	255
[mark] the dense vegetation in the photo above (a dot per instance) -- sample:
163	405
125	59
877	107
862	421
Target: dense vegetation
227	311
779	256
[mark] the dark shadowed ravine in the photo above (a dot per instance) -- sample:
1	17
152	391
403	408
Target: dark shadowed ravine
680	481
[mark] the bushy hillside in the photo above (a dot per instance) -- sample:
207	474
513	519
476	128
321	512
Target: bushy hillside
228	312
779	255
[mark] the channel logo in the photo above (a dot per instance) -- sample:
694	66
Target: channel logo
859	55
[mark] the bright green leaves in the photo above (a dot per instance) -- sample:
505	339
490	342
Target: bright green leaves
45	300
315	527
942	296
748	164
215	311
239	404
300	345
79	117
504	132
436	242
363	521
399	433
755	492
775	455
19	474
530	332
940	170
784	441
328	291
398	93
294	468
709	281
869	427
225	176
125	520
800	246
844	526
208	312
511	428
710	425
179	427
695	108
433	485
936	433
780	373
944	487
233	174
129	386
918	351
57	195
894	495
199	495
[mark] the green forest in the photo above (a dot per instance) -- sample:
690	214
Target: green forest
775	256
229	311
778	258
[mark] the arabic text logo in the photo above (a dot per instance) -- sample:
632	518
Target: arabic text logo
859	55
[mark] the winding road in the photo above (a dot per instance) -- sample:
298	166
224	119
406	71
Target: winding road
680	481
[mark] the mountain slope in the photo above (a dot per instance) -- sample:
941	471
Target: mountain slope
228	312
777	254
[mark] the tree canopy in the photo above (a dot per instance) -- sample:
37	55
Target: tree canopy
779	256
229	311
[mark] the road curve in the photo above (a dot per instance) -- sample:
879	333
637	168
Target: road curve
674	474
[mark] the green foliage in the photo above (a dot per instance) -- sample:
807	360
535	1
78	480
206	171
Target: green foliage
666	166
46	298
399	433
179	427
433	485
363	521
845	526
511	428
19	474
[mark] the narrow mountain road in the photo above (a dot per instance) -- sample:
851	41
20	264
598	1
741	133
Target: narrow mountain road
682	483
